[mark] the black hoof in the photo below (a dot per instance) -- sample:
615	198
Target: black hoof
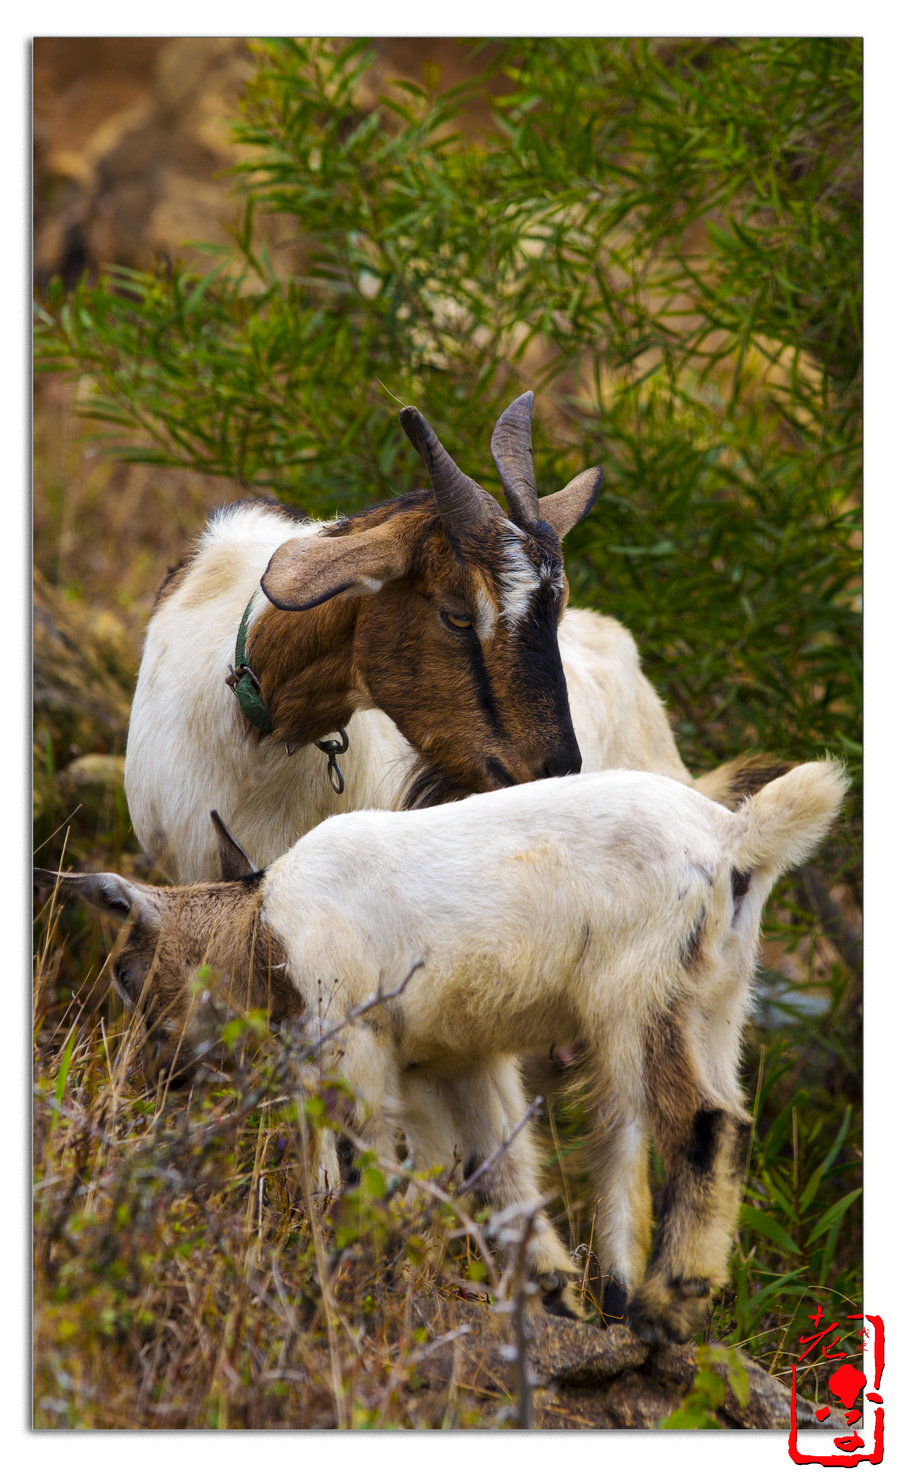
562	1303
615	1300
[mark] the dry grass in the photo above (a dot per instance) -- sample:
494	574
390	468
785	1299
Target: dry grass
188	1274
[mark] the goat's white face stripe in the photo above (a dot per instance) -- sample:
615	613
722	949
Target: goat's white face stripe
484	615
519	581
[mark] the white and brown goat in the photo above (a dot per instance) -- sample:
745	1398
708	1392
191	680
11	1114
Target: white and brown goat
426	625
618	911
429	627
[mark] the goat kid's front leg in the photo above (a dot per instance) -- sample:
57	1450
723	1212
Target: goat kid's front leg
364	1058
476	1115
703	1156
514	1179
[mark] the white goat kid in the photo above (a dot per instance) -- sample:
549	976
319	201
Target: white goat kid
619	911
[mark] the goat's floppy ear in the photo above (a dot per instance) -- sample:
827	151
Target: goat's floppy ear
307	571
233	862
565	508
120	899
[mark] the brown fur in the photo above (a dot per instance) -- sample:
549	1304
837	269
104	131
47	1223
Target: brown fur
497	711
702	1145
695	1227
170	582
692	946
675	1093
741	777
304	663
207	925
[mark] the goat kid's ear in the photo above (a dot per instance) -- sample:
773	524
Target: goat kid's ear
120	899
233	862
307	571
565	508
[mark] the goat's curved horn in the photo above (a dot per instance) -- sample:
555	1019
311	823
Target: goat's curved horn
513	457
463	504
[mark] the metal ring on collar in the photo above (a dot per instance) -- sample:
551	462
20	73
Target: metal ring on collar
332	750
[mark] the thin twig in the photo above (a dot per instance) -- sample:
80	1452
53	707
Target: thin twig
448	1338
504	1145
397	1168
373	1001
517	1305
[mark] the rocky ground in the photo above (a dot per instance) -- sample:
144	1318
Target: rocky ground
588	1377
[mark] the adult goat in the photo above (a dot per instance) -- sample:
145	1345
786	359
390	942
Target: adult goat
426	625
431	627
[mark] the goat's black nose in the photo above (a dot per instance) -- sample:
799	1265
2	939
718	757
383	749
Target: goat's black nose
563	762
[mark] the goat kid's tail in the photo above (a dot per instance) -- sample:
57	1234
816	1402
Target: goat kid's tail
789	817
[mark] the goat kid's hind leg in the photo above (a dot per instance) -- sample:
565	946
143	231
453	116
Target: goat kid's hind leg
620	1173
703	1153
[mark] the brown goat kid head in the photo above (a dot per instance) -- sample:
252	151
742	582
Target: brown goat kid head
183	956
447	611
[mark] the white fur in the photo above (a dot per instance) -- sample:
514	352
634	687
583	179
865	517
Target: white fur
519	580
619	719
191	750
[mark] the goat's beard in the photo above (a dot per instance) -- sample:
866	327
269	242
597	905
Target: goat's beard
428	786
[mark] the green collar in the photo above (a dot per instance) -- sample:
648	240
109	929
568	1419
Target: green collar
244	682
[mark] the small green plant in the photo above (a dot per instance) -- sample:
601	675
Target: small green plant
795	1249
718	1368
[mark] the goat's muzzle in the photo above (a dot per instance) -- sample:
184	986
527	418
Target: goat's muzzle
563	762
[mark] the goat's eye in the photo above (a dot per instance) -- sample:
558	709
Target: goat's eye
456	620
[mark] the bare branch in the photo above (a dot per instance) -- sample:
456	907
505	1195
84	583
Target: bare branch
504	1145
373	1001
396	1169
517	1306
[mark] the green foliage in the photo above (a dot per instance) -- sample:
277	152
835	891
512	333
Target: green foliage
663	239
717	1369
799	1244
